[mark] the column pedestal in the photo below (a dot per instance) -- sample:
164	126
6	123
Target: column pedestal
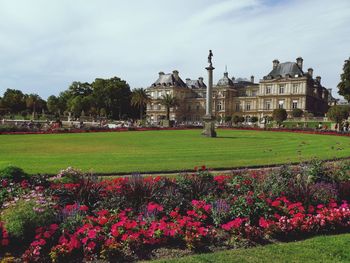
209	126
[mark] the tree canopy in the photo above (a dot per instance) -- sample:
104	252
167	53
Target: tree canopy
338	113
344	84
279	115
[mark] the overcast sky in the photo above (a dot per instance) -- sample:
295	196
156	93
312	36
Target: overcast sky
46	45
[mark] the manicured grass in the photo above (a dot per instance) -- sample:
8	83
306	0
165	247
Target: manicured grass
318	249
164	150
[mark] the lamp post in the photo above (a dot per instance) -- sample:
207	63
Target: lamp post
209	119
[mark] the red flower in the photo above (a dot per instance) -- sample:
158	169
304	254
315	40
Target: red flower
83	208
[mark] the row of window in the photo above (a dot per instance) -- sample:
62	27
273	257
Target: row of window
281	89
281	104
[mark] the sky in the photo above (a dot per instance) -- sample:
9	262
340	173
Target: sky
46	45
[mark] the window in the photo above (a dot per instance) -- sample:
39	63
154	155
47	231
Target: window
268	89
219	106
281	89
197	107
295	88
267	105
159	107
238	106
247	106
189	107
294	104
254	92
280	104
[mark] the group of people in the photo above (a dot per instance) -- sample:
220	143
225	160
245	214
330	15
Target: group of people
344	126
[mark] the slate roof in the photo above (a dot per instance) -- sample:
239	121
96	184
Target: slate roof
286	68
169	80
195	84
225	81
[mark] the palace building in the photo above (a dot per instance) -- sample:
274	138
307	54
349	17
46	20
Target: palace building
286	86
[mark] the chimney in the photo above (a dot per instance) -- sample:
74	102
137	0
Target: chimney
188	79
329	91
252	79
310	71
233	79
176	74
226	74
318	79
275	63
300	62
161	73
201	79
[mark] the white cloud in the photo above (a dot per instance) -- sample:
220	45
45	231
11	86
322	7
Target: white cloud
45	45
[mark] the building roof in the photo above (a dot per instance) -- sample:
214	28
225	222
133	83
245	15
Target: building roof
225	81
170	79
195	83
287	68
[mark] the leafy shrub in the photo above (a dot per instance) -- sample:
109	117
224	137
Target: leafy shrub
322	193
278	182
24	217
13	173
69	175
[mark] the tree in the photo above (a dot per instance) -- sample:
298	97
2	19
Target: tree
235	119
279	115
80	89
338	113
53	104
254	119
139	99
13	100
297	113
344	84
32	101
169	102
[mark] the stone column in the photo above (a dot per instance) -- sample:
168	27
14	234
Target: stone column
209	119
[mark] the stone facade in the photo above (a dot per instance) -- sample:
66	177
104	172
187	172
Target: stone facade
286	86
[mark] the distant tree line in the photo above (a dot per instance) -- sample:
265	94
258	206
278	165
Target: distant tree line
109	98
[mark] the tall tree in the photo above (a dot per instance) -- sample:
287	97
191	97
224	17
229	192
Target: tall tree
32	101
139	99
13	100
169	101
53	104
279	115
338	113
80	89
344	84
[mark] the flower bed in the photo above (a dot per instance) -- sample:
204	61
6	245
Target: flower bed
75	216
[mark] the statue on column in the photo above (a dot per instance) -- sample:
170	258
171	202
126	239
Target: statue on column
210	57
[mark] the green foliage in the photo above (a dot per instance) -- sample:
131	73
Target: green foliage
278	182
338	113
139	99
344	84
279	115
228	118
296	113
13	173
254	119
169	101
236	119
13	100
22	219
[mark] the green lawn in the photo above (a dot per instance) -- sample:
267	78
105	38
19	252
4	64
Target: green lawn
318	249
164	150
